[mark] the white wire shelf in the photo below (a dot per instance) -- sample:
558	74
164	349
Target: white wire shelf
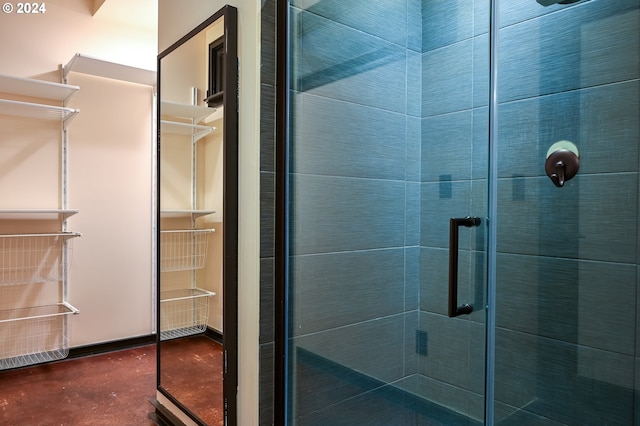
192	112
34	258
197	131
34	335
184	294
36	88
37	111
185	213
183	249
184	312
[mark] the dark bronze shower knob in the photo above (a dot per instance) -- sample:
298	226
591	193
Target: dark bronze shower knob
563	162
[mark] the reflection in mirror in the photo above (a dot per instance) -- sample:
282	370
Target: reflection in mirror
191	283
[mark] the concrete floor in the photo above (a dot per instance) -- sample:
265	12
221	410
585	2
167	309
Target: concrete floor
192	372
106	389
114	388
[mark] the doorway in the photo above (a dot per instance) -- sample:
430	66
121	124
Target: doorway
404	115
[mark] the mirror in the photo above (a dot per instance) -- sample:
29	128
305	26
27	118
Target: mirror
197	221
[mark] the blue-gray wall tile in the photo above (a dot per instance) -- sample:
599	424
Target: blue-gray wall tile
568	383
267	214
434	280
337	138
446	22
414	84
268	42
609	128
412	214
592	217
602	122
467	352
447	146
411	357
447	79
481	71
339	62
267	163
637	307
516	368
481	16
325	287
267	300
341	214
514	11
386	19
414	25
568	300
267	380
436	212
413	162
480	162
267	128
637	387
579	47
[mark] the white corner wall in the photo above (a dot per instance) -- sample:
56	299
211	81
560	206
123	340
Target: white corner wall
110	162
174	21
110	182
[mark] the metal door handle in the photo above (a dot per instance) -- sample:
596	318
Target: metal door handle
454	224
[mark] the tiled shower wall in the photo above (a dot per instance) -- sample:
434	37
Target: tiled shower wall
567	262
267	210
355	185
454	130
567	257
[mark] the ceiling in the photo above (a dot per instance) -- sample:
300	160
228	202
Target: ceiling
134	13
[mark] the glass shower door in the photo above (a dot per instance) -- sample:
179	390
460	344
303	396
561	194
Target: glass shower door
388	142
567	257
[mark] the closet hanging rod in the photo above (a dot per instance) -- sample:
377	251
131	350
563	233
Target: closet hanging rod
193	231
46	234
36	111
37	312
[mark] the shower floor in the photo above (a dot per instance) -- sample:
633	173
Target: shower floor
333	394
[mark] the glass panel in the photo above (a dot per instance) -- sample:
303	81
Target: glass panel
388	141
190	182
567	258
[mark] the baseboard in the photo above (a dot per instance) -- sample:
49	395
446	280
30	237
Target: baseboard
213	334
162	416
112	346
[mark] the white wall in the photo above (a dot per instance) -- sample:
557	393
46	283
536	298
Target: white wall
110	162
110	182
36	44
174	21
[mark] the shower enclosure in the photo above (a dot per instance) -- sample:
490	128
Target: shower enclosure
404	114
